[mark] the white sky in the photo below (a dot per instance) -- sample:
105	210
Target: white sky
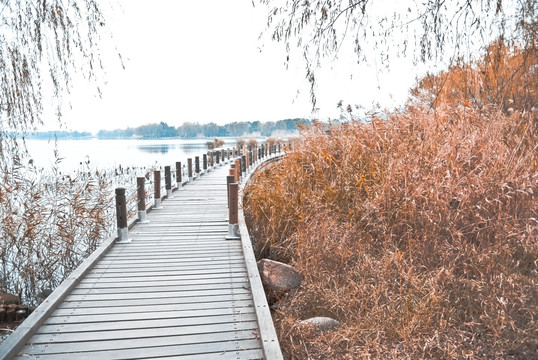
201	61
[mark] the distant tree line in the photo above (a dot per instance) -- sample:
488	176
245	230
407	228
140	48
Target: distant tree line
194	129
51	135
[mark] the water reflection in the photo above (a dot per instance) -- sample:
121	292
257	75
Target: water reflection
156	148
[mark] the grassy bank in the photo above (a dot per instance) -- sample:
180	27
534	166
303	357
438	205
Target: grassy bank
418	233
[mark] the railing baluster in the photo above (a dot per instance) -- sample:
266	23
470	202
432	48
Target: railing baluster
233	211
157	189
121	216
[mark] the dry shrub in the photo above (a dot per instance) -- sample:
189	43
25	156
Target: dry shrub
239	143
214	144
251	144
418	233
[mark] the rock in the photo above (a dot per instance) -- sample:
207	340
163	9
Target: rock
277	276
321	323
9	299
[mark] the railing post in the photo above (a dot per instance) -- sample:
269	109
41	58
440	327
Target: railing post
168	181
157	189
237	170
189	165
179	180
141	195
230	179
217	153
197	165
212	160
243	166
233	211
204	162
222	152
121	216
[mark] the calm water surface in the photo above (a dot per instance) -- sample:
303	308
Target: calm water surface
112	153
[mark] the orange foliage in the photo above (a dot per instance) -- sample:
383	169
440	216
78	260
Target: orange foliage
505	76
418	233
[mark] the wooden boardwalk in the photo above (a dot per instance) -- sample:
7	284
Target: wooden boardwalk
179	290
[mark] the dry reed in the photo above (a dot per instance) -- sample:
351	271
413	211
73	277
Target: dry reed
418	233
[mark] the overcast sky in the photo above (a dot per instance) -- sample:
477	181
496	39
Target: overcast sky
202	61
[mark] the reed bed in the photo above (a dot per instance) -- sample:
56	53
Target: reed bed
419	233
50	222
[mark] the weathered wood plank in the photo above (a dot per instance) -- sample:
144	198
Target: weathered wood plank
138	343
229	355
187	265
210	349
150	315
158	280
152	324
190	256
184	270
156	295
82	336
142	291
143	283
101	310
87	303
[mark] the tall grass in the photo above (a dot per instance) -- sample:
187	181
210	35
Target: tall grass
419	233
50	222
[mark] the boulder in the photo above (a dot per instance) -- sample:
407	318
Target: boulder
7	299
277	276
321	323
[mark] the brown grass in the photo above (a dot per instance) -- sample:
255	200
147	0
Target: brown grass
418	233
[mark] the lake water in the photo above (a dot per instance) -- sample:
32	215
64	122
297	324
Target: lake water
114	152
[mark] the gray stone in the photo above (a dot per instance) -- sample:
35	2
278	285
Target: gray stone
277	276
321	323
9	299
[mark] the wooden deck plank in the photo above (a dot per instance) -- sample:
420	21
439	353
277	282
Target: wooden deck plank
82	336
150	315
189	349
88	303
139	343
159	280
157	308
141	291
158	295
173	267
179	271
229	355
146	324
160	283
